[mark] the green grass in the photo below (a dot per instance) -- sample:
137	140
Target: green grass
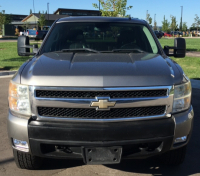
190	65
191	44
9	59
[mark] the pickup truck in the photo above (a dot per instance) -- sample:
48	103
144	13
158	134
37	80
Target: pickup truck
38	34
99	99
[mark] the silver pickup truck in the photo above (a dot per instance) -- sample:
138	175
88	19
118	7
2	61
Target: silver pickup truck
109	95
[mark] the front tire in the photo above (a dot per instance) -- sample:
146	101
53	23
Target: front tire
27	161
174	157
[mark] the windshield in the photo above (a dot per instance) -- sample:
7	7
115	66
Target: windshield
100	36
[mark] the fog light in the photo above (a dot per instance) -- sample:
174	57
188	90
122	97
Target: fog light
181	139
20	145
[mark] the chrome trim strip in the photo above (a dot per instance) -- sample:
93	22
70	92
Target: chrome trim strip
85	103
56	119
101	89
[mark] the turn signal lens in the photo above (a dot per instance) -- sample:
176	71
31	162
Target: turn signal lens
182	97
19	98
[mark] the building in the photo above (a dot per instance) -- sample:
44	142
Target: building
33	19
19	21
9	29
77	12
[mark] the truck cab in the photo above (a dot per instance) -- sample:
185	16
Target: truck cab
100	89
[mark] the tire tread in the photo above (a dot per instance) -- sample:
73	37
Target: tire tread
174	157
27	161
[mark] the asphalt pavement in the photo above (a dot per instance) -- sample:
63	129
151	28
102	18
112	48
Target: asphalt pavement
151	166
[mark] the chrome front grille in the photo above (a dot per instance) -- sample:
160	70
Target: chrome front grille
93	94
74	104
88	113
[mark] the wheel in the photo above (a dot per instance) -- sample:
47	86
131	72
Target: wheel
174	157
27	161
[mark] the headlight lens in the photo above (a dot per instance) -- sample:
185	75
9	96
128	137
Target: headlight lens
182	97
19	98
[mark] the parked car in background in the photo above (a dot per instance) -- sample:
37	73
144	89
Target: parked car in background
180	33
25	32
174	33
162	33
158	34
167	34
38	34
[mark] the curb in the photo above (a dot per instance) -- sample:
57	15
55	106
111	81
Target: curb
5	73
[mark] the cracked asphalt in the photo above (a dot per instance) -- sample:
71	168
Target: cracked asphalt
151	166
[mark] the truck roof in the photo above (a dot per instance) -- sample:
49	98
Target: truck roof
100	19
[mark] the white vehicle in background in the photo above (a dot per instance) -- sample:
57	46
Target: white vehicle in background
25	33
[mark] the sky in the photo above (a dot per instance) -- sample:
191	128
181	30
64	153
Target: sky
139	10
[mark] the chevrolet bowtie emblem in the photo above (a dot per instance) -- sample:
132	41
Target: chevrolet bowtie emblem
103	104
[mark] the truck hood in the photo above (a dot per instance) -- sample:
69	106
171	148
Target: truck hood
98	70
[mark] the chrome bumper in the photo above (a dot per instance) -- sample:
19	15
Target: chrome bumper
17	129
183	125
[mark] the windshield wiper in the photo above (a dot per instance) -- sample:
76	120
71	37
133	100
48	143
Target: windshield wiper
80	49
128	50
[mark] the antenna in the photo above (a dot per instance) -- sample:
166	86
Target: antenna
34	11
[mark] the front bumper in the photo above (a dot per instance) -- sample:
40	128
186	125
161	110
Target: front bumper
67	140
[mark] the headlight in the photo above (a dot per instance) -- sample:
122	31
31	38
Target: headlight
182	97
19	98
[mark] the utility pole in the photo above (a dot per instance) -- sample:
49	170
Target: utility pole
181	19
99	5
146	15
48	11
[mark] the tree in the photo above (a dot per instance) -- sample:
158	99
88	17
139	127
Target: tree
149	19
174	24
30	11
113	8
4	19
42	21
26	25
46	12
184	26
39	12
165	25
196	23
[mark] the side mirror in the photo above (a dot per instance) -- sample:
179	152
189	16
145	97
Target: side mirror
179	48
180	45
23	47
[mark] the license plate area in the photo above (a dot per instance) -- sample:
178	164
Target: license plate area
103	155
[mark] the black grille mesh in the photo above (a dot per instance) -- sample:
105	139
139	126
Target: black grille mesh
90	113
93	94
